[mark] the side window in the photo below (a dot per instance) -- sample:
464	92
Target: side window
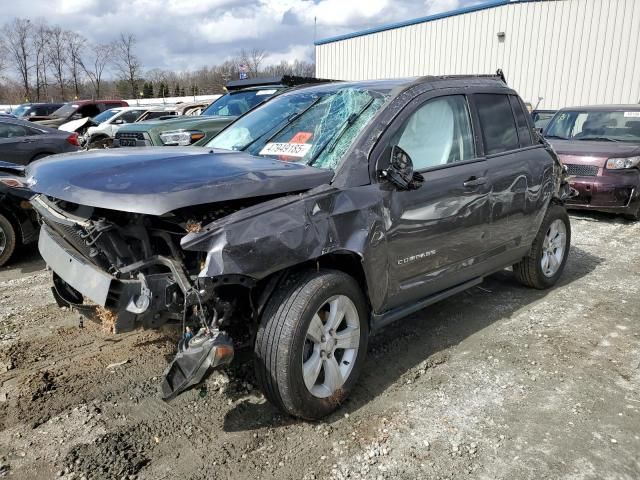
437	133
9	130
524	132
88	111
498	125
131	116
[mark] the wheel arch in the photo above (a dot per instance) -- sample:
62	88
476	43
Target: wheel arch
40	154
345	261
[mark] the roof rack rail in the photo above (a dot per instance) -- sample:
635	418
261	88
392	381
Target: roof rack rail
284	80
498	75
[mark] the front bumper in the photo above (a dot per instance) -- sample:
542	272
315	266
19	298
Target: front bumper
132	139
93	283
615	193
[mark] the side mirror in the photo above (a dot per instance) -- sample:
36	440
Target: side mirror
400	171
118	121
76	116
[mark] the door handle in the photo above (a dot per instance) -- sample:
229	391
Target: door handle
475	181
27	140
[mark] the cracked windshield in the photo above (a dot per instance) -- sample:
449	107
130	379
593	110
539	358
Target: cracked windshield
315	128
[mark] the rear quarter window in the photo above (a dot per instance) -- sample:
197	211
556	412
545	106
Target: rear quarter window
524	131
498	124
10	130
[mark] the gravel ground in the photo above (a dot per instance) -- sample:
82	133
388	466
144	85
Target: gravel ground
499	382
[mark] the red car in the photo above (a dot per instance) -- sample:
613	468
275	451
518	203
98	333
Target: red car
600	146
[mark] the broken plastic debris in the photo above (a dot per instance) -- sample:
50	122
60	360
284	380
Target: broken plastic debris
117	364
207	349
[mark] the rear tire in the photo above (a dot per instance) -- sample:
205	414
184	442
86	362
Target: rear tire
8	240
544	264
302	377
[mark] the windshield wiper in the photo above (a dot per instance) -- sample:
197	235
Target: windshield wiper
331	144
555	136
598	139
282	125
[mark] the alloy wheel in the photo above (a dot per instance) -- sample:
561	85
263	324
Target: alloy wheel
331	346
553	248
3	241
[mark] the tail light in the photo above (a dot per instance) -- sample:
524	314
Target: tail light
73	139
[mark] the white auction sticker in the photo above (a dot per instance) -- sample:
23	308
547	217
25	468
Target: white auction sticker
266	92
289	149
632	114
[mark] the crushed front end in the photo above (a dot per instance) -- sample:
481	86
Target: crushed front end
132	265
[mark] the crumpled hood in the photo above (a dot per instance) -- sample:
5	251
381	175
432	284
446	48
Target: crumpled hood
74	125
157	180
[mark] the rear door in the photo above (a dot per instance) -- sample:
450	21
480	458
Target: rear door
437	232
516	170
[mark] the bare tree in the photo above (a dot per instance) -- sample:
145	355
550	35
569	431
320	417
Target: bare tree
127	62
40	40
3	55
57	52
75	43
17	41
253	59
297	67
95	64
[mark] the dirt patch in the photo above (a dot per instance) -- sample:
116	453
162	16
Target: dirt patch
115	455
41	384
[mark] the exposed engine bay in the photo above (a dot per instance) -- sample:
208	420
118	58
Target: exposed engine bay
154	280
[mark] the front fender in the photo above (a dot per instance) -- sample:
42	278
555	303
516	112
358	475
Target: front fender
288	231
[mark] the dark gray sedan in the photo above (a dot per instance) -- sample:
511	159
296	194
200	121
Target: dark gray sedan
22	142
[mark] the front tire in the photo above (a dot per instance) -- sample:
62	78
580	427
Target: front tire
311	343
8	240
544	264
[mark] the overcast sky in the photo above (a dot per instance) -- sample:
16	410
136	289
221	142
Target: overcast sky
187	34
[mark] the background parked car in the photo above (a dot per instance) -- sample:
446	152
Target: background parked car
191	108
163	112
18	221
22	142
541	118
104	126
77	110
98	132
197	130
601	148
28	110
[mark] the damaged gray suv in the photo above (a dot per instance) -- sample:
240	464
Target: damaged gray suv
307	225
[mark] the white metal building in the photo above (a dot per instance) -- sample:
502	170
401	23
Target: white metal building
567	52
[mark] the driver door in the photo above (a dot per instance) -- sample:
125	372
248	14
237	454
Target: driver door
438	232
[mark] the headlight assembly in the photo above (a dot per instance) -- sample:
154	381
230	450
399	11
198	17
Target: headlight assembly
623	163
181	137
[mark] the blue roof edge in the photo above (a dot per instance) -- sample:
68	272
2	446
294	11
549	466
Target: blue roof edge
414	21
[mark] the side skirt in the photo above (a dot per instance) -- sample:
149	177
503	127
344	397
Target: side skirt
383	319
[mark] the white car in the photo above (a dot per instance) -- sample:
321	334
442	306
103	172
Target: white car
110	121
